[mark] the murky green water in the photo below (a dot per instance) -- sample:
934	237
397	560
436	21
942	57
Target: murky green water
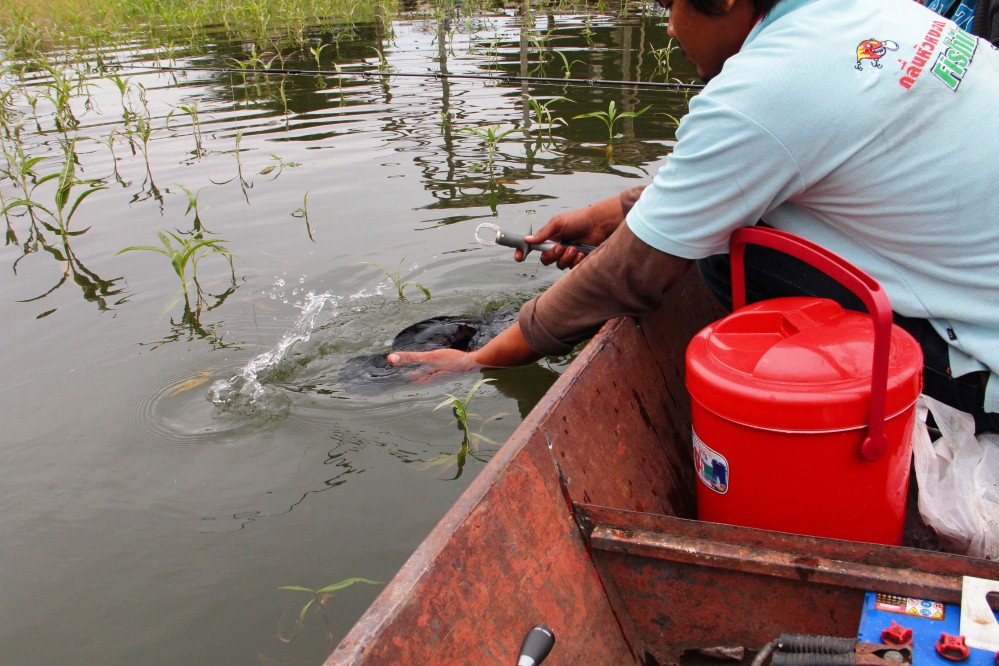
143	524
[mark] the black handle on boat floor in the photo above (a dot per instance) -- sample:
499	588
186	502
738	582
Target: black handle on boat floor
536	646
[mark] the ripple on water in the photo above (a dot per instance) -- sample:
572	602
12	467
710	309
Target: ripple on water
180	413
176	413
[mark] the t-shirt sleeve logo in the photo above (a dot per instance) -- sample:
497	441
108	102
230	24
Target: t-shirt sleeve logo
872	50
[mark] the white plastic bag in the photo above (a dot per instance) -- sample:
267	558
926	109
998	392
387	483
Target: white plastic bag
958	477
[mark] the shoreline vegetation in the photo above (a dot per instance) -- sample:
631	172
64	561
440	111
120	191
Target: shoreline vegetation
29	28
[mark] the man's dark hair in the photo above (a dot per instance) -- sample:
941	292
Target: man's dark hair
714	7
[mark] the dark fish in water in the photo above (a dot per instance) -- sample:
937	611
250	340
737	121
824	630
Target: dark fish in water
371	373
437	333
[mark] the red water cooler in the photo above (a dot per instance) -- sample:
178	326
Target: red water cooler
802	411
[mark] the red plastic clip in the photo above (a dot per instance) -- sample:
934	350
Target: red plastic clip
952	648
896	634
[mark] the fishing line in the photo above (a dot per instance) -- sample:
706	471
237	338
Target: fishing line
367	74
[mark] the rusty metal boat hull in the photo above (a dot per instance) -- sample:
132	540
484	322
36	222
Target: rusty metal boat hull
583	522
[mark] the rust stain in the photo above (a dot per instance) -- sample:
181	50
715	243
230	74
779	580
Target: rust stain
805	566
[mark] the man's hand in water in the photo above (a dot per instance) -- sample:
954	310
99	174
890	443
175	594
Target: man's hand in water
432	363
587	226
506	349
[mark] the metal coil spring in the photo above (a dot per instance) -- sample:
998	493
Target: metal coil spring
813	659
799	643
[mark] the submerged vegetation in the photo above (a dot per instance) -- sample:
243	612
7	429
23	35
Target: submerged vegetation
318	605
471	442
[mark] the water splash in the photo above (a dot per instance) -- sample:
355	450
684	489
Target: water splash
246	392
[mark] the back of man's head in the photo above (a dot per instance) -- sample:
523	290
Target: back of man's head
717	7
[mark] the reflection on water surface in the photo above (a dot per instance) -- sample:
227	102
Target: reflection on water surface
145	523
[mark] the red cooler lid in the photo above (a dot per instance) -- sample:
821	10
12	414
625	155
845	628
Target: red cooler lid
798	364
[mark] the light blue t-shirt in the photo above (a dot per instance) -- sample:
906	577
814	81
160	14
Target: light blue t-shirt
863	125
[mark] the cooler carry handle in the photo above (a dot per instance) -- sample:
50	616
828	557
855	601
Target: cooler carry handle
860	283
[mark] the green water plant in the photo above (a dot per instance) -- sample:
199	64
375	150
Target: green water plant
65	203
303	213
459	406
244	184
278	168
317	55
56	216
66	182
245	68
611	117
540	43
471	442
669	116
492	51
10	238
383	63
588	32
490	137
61	90
110	140
189	249
192	206
8	112
143	131
399	282
567	64
544	118
123	84
192	112
318	604
20	169
254	60
663	57
471	447
23	37
283	96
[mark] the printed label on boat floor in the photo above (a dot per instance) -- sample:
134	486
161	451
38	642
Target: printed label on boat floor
712	467
891	603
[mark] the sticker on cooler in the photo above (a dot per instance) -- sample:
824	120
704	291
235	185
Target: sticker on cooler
712	467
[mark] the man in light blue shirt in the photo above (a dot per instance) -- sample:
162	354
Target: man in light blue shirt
866	126
885	159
